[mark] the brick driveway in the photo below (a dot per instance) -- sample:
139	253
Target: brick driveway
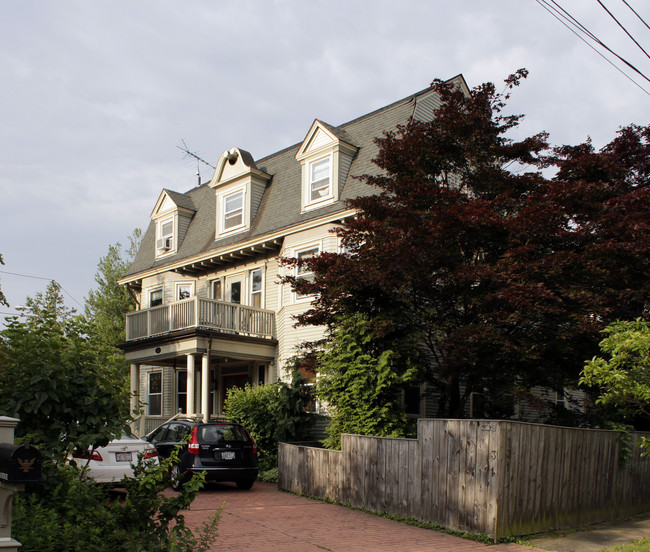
265	518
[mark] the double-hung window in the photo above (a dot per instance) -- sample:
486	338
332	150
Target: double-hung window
233	210
165	240
256	288
215	287
155	297
304	272
155	393
320	180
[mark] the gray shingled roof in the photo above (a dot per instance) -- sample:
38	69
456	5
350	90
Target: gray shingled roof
182	200
280	206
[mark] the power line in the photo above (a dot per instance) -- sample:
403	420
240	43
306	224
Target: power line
622	27
559	16
41	278
634	12
596	39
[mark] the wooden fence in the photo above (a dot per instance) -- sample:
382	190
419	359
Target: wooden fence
494	477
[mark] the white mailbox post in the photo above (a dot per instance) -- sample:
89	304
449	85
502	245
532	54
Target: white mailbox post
7	491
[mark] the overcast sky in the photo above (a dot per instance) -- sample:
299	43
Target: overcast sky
95	97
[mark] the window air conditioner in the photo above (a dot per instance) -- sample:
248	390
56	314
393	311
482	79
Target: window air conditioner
164	244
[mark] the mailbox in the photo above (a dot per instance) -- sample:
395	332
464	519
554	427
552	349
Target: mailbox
20	464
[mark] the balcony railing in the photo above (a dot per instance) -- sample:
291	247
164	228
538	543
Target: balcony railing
197	312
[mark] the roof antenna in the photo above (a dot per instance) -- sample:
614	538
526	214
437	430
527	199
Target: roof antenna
188	152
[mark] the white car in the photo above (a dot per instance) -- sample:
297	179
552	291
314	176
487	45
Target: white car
111	463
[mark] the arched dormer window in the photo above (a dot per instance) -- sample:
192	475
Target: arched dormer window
239	186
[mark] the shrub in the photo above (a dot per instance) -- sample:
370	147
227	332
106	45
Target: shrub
70	512
272	413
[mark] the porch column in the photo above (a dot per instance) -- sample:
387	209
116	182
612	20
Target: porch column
134	388
205	387
190	384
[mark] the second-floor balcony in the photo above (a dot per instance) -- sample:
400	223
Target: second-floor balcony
197	312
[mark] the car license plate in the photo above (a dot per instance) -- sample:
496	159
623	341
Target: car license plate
123	457
228	455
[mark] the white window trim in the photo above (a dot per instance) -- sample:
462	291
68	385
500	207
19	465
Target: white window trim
149	393
223	231
251	290
154	290
180	285
308	202
318	247
211	289
169	238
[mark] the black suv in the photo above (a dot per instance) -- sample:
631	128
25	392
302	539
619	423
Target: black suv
223	450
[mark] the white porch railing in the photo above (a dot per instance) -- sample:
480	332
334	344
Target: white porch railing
197	312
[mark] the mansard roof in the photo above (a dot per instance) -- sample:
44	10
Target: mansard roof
280	207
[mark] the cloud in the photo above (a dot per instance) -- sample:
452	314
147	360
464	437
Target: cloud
96	96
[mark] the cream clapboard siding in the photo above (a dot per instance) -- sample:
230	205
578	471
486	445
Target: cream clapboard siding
290	337
168	388
426	106
169	281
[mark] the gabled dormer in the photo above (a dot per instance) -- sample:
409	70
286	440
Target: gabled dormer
172	215
325	156
239	186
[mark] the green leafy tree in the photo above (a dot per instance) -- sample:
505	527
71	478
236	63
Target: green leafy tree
362	381
292	420
107	305
622	375
53	380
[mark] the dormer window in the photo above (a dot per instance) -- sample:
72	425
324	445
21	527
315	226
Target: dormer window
233	210
165	240
320	180
325	156
239	186
172	216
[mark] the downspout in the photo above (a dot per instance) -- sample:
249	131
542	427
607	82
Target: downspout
209	379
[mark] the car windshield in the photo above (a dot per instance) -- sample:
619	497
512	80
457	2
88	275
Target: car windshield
216	434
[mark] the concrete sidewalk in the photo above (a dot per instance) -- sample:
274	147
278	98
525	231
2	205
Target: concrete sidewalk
265	518
596	537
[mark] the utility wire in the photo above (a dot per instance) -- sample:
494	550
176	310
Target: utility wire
596	39
634	12
559	17
622	27
40	278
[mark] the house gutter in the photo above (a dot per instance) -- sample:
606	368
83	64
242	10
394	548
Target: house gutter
236	248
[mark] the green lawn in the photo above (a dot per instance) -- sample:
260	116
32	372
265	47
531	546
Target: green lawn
642	545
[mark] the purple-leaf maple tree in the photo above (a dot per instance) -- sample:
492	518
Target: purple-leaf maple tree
504	274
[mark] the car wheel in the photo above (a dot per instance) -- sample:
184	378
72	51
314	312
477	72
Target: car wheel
245	484
178	477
